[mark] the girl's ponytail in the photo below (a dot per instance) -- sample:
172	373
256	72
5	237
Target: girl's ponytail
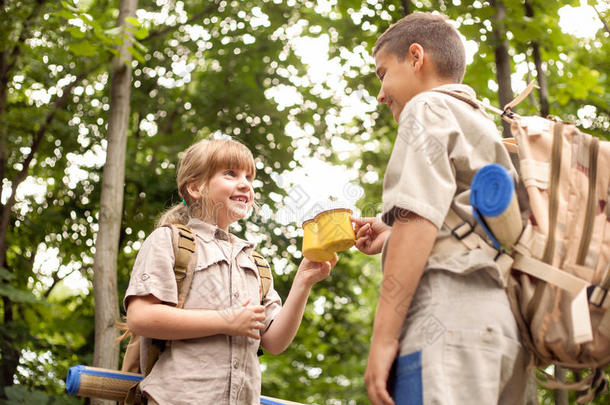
178	214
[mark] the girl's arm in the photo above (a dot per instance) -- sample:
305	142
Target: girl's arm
284	327
147	316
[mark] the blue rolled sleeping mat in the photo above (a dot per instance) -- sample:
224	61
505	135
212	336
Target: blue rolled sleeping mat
95	382
494	202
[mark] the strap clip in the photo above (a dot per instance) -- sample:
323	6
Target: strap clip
455	231
596	294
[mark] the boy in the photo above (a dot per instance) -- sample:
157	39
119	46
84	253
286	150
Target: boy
443	318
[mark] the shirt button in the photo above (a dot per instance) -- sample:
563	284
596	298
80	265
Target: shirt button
236	295
145	277
235	364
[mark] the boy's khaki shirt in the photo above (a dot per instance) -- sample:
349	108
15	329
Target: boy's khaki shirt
441	143
218	369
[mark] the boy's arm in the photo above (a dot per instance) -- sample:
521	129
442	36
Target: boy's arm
410	244
286	323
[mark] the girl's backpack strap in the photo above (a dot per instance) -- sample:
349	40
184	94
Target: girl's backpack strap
183	241
264	272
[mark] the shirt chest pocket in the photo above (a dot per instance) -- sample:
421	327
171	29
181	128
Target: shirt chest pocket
249	279
210	288
217	287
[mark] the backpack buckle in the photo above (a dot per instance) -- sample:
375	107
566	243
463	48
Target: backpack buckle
458	233
596	295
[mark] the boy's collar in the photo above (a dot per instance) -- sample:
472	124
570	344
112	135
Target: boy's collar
459	87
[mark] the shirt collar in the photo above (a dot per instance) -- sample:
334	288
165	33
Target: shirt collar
458	87
208	232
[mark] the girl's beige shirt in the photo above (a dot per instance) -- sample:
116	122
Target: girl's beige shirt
218	369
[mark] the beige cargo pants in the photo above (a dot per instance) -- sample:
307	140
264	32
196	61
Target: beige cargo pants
460	344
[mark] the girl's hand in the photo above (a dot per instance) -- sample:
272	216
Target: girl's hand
371	233
247	320
312	272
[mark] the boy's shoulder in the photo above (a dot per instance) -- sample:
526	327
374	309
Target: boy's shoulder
442	95
453	104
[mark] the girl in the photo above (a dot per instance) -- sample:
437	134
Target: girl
212	358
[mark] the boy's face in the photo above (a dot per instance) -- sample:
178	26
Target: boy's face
398	81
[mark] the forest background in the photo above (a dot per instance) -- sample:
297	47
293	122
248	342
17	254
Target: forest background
101	94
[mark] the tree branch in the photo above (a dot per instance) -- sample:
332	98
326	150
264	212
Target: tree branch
22	37
36	140
601	18
153	34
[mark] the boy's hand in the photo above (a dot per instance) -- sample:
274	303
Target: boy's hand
381	358
312	272
371	233
247	320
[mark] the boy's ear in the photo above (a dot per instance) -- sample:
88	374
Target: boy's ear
416	56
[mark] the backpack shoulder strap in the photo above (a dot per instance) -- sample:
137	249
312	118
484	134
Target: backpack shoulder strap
460	96
264	272
506	114
183	242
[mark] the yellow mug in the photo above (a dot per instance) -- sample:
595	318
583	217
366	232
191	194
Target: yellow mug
328	232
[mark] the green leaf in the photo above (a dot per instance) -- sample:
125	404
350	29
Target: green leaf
85	5
139	33
140	47
69	7
133	21
76	32
18	394
17	295
65	14
83	48
113	31
6	275
136	54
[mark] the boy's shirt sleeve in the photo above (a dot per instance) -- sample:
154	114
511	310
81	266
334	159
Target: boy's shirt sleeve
420	176
153	271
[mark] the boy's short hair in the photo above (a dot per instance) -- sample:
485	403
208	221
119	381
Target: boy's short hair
435	35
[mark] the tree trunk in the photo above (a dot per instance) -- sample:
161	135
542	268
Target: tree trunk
531	391
503	66
406	7
543	93
106	352
561	396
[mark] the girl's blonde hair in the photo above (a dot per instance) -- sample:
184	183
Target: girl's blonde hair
197	165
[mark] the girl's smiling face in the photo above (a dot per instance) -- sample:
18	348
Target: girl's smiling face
230	195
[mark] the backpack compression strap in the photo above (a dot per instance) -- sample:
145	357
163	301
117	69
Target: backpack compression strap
264	272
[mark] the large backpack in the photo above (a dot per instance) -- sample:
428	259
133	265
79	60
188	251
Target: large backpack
183	242
558	272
